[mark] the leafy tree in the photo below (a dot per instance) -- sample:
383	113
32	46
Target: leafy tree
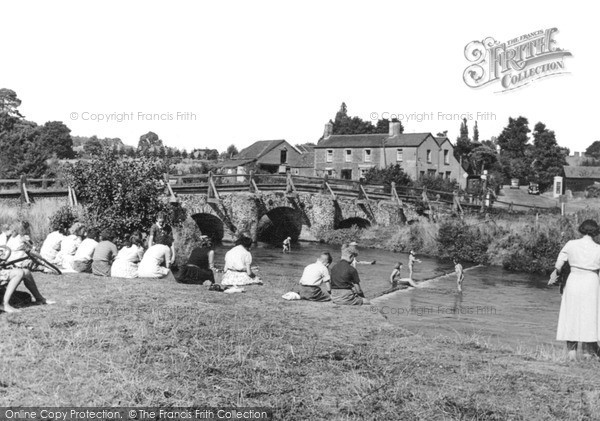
549	158
483	157
464	146
9	102
184	154
21	151
93	146
385	176
123	195
55	137
232	151
476	133
383	125
212	155
594	150
515	154
148	141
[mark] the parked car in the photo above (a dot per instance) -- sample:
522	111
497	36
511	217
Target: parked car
534	188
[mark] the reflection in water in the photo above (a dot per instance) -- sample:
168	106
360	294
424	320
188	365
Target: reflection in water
506	308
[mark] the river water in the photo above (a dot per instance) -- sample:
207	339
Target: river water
504	308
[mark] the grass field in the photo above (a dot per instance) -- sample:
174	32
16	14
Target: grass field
157	343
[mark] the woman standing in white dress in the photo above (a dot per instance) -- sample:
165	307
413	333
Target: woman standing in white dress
578	320
126	262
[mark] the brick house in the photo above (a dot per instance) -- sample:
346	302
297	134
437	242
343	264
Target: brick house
419	154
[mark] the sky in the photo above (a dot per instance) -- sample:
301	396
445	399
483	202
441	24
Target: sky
211	74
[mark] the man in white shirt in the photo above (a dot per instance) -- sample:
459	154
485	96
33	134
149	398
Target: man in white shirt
315	275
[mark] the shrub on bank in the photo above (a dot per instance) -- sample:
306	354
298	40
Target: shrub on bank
468	242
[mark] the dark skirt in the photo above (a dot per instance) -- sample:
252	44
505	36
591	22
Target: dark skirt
313	293
190	274
82	267
101	268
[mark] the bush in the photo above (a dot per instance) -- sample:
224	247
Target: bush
465	242
62	219
122	194
341	236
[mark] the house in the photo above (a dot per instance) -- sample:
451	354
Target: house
273	156
351	156
577	179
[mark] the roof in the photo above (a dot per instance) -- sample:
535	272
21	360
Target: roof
441	140
581	172
306	160
233	163
258	149
406	140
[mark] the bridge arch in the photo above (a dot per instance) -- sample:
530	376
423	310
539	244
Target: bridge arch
279	223
210	225
350	222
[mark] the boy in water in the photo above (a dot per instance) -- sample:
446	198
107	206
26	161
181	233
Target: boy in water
411	261
460	276
286	245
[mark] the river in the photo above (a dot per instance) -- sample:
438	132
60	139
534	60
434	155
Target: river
503	308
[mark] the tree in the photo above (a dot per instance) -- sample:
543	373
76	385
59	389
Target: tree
55	138
385	176
123	195
476	133
594	150
232	151
549	158
21	151
9	102
383	125
93	146
464	146
515	153
148	141
483	157
212	155
343	124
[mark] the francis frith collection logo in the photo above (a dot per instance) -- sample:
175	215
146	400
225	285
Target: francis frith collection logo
514	63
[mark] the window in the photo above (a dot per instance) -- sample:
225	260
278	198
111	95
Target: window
329	172
399	155
346	174
283	156
422	174
431	173
429	156
367	155
446	157
329	155
448	174
440	175
296	171
348	155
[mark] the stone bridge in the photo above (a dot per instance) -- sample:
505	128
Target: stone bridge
274	215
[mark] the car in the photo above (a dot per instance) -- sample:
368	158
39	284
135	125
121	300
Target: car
534	188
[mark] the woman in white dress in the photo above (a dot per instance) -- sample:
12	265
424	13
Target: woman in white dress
69	246
19	242
126	262
578	320
238	263
52	243
152	263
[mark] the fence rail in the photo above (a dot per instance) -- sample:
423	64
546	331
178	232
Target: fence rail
211	184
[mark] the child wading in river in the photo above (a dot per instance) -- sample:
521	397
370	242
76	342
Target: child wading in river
460	276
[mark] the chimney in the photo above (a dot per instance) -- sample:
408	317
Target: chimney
394	128
328	130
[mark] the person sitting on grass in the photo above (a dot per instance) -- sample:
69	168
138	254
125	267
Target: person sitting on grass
200	265
126	262
345	282
315	275
69	246
396	277
82	261
52	243
238	261
104	254
5	233
152	263
10	280
20	242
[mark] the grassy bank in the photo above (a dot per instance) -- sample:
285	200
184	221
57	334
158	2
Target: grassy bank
522	242
157	343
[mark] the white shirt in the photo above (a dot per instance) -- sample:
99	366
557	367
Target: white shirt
238	258
70	244
3	239
583	254
18	245
85	252
51	245
131	254
314	274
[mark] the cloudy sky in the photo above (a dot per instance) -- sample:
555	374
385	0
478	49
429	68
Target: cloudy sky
209	74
